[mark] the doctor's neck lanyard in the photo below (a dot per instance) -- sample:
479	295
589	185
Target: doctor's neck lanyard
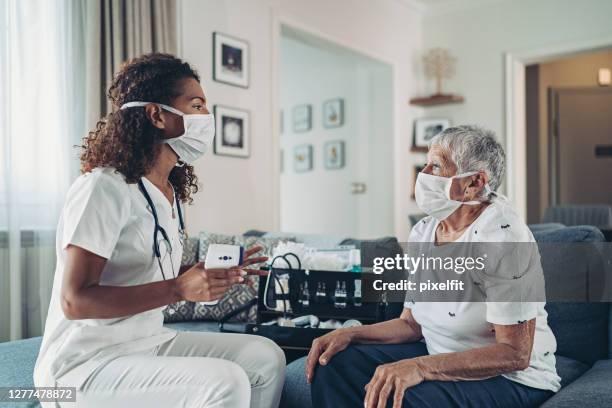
158	229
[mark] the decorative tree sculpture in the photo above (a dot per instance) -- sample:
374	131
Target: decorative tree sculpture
438	63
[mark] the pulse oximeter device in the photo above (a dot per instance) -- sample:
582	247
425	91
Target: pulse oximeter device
222	256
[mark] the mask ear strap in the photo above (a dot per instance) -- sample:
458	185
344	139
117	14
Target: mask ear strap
136	104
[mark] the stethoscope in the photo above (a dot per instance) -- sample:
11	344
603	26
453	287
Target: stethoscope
159	229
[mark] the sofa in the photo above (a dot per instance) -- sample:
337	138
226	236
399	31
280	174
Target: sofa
583	328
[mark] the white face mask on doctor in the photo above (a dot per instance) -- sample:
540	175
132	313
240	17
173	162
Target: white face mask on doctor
432	194
199	132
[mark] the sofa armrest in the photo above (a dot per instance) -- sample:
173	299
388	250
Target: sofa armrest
591	390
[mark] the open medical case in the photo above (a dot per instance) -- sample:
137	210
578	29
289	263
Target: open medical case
299	339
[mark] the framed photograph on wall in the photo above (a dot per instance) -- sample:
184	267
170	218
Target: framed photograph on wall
302	158
425	129
333	154
333	113
230	60
302	118
233	136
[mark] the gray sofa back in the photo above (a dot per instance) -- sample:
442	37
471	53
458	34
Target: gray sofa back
581	327
598	215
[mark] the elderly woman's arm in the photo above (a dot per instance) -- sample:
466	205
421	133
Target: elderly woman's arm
512	352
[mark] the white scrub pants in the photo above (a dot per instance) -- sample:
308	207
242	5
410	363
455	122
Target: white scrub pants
194	369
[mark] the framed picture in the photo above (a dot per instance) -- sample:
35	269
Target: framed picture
302	118
230	60
333	153
302	158
417	170
333	113
233	136
425	130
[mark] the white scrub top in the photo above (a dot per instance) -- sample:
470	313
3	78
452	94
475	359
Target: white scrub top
459	326
109	217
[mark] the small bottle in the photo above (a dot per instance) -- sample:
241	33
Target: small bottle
321	293
355	260
357	293
305	298
340	295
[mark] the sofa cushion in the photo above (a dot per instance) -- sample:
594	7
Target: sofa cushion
17	359
569	369
581	329
580	233
591	390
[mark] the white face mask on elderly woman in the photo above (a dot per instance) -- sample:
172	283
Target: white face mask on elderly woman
432	195
199	132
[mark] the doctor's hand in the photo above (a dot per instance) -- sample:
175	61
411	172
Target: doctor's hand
324	347
198	284
249	259
392	380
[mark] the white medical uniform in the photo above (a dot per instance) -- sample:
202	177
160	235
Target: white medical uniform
459	326
134	360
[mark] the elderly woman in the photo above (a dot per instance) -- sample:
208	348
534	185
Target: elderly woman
443	354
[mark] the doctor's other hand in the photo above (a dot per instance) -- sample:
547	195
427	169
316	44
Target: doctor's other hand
325	347
248	259
198	284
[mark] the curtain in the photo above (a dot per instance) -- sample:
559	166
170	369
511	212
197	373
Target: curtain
57	60
118	30
35	155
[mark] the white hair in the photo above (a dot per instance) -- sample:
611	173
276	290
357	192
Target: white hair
472	148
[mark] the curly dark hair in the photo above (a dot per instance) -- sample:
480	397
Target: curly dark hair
126	139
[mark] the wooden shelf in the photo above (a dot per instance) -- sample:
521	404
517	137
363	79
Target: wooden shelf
434	100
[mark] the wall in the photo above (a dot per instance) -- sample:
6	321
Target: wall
578	71
239	194
479	36
320	201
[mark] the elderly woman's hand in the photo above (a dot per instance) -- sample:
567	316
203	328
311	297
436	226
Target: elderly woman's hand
392	378
325	347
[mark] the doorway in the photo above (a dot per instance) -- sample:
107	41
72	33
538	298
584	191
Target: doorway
336	138
568	131
581	135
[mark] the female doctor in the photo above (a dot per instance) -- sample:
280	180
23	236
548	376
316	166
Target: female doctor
118	258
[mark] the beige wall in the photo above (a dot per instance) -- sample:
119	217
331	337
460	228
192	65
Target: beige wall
239	194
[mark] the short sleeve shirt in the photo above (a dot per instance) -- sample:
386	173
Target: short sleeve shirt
109	217
459	326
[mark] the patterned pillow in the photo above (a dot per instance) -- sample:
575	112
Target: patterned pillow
238	295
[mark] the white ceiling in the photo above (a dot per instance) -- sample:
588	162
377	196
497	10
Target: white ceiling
432	7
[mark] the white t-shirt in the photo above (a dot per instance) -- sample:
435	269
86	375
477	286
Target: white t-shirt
459	326
109	217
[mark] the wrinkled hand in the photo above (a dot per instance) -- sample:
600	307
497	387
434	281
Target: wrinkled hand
324	347
392	378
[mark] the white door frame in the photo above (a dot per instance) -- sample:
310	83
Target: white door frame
278	20
516	138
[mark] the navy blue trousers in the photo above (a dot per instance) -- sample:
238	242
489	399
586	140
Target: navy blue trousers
341	383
